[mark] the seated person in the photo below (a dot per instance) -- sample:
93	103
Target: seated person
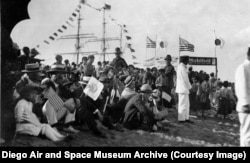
129	90
137	113
27	121
56	108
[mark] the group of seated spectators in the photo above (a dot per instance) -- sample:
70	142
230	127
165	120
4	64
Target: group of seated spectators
50	99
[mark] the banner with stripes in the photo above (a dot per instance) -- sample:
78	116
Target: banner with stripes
150	43
185	45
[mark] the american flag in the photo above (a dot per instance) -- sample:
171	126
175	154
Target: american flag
150	43
186	46
56	102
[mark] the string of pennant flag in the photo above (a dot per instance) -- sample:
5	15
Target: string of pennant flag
63	27
74	16
124	28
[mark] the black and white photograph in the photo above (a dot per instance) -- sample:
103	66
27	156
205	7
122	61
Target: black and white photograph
125	73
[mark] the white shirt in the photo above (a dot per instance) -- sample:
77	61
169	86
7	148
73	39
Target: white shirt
182	83
242	84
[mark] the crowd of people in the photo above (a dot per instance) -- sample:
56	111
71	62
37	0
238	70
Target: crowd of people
50	99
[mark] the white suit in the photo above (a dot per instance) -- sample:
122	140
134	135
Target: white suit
242	88
182	88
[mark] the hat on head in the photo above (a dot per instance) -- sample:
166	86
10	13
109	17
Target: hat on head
57	68
146	88
118	50
128	81
168	57
34	67
184	58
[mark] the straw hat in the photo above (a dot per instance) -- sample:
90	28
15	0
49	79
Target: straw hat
31	68
57	68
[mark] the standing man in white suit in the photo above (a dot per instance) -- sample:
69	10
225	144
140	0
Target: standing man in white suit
182	88
242	88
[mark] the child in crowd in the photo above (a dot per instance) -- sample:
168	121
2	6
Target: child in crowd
27	121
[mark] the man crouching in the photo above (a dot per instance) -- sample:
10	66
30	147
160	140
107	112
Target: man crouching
138	113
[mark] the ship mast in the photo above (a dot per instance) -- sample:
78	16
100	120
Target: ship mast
104	34
78	38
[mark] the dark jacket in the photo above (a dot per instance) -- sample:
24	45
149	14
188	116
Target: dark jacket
119	63
137	113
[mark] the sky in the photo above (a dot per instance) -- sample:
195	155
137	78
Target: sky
193	20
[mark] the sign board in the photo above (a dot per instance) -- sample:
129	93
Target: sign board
203	61
93	88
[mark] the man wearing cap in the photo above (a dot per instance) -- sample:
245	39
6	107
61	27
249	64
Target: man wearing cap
242	89
137	111
182	88
118	62
170	73
90	68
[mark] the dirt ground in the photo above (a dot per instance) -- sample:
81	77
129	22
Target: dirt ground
208	132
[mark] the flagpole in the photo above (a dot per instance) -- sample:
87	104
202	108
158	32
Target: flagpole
216	65
179	49
104	34
121	37
215	48
155	49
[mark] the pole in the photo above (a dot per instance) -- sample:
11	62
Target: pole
179	49
155	49
78	39
121	37
104	35
216	64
